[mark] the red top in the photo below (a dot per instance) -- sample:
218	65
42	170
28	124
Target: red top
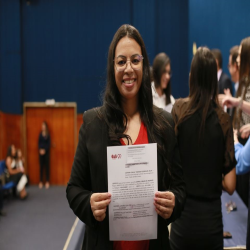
143	244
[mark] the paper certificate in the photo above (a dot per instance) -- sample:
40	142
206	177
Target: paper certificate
132	182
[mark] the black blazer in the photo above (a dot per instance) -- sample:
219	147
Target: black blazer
89	175
225	83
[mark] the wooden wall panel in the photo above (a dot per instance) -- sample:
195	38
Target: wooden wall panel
62	124
11	127
79	123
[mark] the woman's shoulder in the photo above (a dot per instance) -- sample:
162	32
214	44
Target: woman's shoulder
92	115
180	106
167	117
8	161
181	102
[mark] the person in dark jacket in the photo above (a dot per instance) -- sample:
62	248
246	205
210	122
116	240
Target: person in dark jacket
127	109
224	82
205	138
44	147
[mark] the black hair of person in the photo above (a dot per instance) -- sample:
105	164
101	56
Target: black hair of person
234	51
244	76
218	56
159	65
203	86
47	128
9	152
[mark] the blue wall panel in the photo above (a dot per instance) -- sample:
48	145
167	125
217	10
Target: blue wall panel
144	21
10	58
172	38
65	44
218	24
58	48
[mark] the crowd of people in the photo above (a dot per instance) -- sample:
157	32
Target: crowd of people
202	141
200	146
15	170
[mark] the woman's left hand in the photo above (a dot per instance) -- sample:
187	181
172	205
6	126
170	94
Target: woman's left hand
164	203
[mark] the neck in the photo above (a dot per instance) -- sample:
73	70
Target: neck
159	90
235	78
130	108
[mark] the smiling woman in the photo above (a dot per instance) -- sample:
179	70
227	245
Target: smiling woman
161	86
128	81
126	117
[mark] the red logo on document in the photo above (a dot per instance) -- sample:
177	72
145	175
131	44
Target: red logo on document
116	156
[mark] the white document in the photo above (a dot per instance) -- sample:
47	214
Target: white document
132	182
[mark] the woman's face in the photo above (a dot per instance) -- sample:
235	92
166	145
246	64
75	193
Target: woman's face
43	127
165	77
128	81
13	150
19	153
238	57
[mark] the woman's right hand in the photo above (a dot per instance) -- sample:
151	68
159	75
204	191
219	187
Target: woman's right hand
99	203
42	151
230	101
245	131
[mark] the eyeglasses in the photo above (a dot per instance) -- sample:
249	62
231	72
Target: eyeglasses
135	62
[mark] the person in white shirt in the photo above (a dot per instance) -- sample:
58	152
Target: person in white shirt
233	67
161	86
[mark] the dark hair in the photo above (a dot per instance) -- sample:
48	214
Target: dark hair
203	86
9	152
115	118
47	129
160	62
244	75
234	51
151	74
18	150
218	56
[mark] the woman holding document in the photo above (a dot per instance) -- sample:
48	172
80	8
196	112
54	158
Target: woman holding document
205	138
127	117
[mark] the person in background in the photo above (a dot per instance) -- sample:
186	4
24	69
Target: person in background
242	156
205	139
20	160
234	72
233	69
161	86
16	174
224	81
241	114
127	117
44	148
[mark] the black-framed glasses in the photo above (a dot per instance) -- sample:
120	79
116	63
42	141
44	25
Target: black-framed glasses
135	62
